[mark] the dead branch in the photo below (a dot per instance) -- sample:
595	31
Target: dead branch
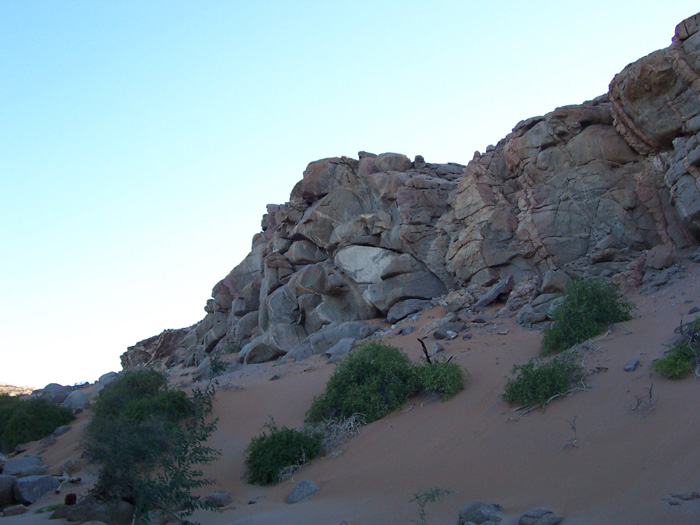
425	350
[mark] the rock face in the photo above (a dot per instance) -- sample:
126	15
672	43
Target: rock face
582	191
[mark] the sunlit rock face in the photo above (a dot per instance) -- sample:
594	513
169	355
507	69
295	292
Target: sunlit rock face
585	190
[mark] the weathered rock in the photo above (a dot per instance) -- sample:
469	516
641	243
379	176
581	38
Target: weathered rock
219	498
503	287
7	487
554	281
631	365
302	490
54	393
14	510
76	400
90	509
527	316
540	517
327	337
659	257
416	285
392	162
403	309
19	467
608	188
340	349
29	489
479	512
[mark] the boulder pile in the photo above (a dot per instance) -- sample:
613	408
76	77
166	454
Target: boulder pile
608	188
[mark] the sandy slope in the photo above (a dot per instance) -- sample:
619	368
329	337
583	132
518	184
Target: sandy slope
623	468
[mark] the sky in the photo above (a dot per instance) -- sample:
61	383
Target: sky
141	141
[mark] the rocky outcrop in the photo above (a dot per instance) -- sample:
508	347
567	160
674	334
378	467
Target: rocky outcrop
584	190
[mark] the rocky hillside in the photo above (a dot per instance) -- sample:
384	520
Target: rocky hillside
606	188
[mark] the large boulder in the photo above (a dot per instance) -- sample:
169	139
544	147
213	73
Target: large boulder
54	393
29	489
76	400
23	466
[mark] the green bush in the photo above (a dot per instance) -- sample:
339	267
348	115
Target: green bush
587	309
441	377
145	439
373	380
377	379
22	421
535	383
269	454
680	359
141	394
677	363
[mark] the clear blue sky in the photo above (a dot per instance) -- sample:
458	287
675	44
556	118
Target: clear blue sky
140	141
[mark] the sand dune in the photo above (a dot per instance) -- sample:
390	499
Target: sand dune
624	466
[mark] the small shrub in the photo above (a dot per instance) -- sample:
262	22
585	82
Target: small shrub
217	365
441	377
535	384
587	309
277	449
22	421
677	363
680	359
423	497
373	381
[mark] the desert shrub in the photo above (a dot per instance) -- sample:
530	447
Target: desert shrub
441	377
588	308
676	363
423	497
141	394
682	356
28	420
278	448
146	439
373	380
536	383
217	365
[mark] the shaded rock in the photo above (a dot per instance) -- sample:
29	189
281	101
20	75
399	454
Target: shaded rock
406	330
302	490
403	309
540	517
504	286
479	512
90	509
28	465
694	310
76	400
54	393
328	336
203	371
341	348
392	162
7	487
219	498
527	316
554	281
29	489
416	285
258	351
631	365
659	257
14	510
